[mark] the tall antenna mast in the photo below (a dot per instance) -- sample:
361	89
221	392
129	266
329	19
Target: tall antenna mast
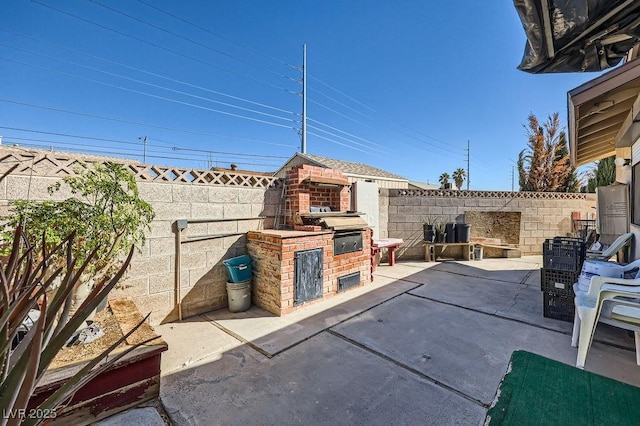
303	148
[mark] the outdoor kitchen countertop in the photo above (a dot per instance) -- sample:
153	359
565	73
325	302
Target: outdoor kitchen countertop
284	233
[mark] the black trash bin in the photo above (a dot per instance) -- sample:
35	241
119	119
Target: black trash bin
463	233
429	233
450	230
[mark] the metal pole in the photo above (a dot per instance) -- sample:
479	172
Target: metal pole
144	148
178	277
468	158
513	174
303	148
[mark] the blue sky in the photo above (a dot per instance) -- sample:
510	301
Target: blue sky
398	85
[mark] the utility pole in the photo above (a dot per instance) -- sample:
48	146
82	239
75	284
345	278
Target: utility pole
468	162
513	174
303	148
144	148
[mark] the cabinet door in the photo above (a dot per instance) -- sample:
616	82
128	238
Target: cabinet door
308	275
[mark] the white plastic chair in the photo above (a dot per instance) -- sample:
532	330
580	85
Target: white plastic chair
609	300
612	250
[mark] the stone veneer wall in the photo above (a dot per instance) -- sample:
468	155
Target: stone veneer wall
543	215
273	254
174	193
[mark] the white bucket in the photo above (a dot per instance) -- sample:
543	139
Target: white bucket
477	252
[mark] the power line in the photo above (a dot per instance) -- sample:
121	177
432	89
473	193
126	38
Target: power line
120	151
115	86
158	46
339	113
366	140
195	59
363	124
338	143
343	138
175	148
342	93
85	137
218	35
159	28
155	126
146	72
341	104
157	86
373	110
162	47
65	135
448	145
342	131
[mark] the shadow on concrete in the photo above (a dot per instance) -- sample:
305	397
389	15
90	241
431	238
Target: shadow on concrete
423	346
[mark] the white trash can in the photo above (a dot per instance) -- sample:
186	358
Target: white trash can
239	295
478	252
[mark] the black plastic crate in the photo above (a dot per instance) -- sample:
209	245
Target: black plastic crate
558	307
558	283
563	254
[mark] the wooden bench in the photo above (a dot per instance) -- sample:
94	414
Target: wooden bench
491	250
494	247
433	250
391	244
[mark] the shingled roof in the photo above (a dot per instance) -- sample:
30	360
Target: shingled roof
347	167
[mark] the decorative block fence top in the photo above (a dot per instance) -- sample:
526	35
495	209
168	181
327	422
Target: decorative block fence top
27	161
487	194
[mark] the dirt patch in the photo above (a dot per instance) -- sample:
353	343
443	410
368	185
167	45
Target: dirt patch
78	353
128	317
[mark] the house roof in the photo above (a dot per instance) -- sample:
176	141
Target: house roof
242	172
346	167
423	185
601	111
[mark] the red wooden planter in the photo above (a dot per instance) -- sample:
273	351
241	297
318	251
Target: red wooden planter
134	379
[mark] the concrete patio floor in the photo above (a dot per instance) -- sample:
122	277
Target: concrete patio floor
426	343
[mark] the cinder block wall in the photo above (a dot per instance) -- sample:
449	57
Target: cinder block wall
178	193
203	276
174	194
543	215
383	214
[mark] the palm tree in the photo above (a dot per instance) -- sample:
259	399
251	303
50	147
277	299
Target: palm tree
444	179
458	177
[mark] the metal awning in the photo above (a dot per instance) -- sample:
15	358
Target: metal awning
601	113
577	35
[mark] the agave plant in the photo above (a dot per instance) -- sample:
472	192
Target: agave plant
26	283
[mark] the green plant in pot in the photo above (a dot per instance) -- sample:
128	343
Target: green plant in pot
441	234
429	228
105	211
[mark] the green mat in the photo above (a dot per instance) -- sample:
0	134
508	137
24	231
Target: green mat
540	391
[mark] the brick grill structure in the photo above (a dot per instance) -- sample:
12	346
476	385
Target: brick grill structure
274	251
273	275
301	195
